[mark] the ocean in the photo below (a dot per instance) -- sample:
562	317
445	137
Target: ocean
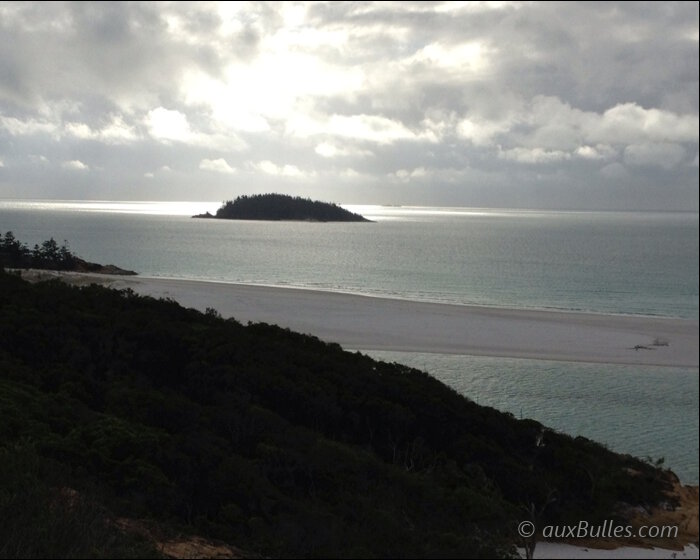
604	262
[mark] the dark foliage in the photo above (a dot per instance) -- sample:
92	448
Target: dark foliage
283	207
278	442
44	518
47	256
15	254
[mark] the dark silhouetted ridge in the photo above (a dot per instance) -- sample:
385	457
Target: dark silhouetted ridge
271	440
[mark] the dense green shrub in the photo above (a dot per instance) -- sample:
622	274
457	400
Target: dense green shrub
275	441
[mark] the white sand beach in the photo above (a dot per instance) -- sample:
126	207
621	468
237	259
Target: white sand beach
371	323
560	550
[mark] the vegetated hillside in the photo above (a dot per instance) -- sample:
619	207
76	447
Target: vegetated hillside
283	207
275	441
48	256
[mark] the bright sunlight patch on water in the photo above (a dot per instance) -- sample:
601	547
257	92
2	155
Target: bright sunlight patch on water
160	208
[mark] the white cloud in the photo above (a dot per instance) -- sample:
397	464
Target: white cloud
375	128
2	163
598	152
406	175
349	173
475	7
665	155
551	131
271	168
160	170
469	58
167	125
329	150
164	124
117	132
482	132
218	165
547	122
534	155
587	152
17	127
75	164
79	130
628	123
364	127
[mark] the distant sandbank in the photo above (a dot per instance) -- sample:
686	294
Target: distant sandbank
374	323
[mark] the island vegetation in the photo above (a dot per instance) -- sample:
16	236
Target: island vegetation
49	256
120	410
282	207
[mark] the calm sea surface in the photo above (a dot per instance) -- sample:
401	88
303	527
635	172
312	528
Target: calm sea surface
644	411
607	262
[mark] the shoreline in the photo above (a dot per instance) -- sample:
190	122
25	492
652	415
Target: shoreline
546	550
368	322
396	297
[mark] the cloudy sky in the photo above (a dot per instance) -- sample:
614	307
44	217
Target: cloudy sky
499	104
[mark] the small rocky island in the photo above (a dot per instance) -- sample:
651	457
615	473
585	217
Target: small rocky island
280	207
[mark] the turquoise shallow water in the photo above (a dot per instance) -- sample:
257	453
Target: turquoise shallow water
644	411
632	263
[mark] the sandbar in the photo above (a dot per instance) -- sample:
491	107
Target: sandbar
359	322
